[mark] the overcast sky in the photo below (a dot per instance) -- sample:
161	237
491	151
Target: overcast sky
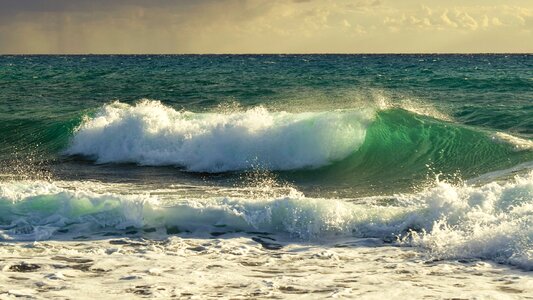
265	26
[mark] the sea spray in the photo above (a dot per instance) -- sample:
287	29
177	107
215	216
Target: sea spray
492	221
150	133
355	143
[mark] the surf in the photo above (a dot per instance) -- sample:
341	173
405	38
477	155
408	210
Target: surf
448	221
371	144
150	133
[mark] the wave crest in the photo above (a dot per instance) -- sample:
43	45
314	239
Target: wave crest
150	133
492	221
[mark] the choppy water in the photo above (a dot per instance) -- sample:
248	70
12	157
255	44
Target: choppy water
429	151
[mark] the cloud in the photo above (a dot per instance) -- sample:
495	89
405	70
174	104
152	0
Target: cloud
447	21
459	18
496	21
467	21
236	26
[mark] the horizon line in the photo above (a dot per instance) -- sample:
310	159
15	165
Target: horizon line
277	53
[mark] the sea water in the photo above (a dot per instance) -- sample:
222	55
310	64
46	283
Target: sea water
266	176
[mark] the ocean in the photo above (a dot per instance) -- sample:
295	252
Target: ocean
274	176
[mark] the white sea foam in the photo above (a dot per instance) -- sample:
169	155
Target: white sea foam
492	221
411	105
35	210
150	133
519	144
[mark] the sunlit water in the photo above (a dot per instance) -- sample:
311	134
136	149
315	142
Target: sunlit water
266	176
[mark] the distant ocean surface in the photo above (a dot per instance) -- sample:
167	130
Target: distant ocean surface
430	153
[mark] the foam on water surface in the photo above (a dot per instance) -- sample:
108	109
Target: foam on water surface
330	130
240	267
150	133
492	221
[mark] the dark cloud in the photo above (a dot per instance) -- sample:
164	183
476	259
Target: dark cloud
8	7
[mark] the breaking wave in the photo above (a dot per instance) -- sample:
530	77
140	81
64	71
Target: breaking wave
358	142
491	221
150	133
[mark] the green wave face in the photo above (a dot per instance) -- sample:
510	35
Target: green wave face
44	137
402	148
397	150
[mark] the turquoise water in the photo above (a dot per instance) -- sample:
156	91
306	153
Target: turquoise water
460	116
410	149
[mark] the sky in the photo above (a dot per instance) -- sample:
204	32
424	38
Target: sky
265	26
